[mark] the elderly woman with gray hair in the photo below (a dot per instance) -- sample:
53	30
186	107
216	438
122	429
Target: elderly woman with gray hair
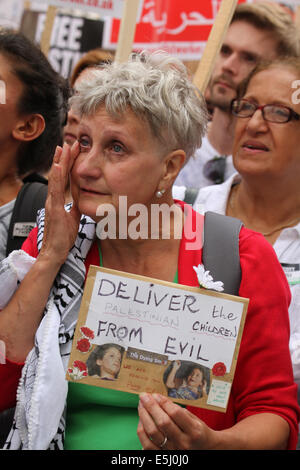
139	122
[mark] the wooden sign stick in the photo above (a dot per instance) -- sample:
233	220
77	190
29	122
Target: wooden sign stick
127	30
46	36
214	43
297	16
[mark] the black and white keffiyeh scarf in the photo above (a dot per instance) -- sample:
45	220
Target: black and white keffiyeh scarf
39	421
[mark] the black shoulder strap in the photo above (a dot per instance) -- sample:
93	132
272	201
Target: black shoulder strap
190	195
221	250
30	199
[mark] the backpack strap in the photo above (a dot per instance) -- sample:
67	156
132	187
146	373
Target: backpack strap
30	199
221	250
190	195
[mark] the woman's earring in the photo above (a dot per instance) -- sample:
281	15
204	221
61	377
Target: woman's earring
160	193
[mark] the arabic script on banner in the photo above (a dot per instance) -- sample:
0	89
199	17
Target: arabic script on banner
180	28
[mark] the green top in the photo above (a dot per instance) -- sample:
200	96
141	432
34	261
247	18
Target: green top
101	419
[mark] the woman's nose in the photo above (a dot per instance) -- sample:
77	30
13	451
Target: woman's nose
256	122
72	117
89	165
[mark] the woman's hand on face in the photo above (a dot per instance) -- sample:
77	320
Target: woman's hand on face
61	227
160	418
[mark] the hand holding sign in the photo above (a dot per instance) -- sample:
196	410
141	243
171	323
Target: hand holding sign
162	338
165	425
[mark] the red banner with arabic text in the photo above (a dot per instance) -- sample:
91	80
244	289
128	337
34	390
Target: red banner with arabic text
180	27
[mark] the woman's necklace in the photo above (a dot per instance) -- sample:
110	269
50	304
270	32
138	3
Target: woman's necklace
232	205
291	224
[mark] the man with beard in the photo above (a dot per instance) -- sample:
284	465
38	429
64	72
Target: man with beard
257	31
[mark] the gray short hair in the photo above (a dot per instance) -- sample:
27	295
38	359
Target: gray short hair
157	88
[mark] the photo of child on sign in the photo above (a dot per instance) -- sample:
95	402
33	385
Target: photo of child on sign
187	380
105	361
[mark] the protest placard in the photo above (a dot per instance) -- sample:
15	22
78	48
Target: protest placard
10	13
180	28
138	334
71	37
127	30
46	36
64	59
113	8
214	43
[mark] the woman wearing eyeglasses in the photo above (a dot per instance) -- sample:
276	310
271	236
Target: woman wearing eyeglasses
265	194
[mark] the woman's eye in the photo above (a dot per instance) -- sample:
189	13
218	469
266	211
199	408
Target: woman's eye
84	143
116	147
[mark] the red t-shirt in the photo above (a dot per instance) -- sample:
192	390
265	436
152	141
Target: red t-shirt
263	379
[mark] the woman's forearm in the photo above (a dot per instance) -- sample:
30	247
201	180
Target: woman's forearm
20	319
263	431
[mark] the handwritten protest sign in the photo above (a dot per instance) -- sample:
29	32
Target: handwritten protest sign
138	334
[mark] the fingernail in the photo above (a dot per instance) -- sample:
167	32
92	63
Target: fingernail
56	154
141	406
157	397
144	397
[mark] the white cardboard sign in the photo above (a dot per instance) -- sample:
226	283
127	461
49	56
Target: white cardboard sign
158	327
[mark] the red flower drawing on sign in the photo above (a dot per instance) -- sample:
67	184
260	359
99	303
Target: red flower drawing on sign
79	370
87	332
80	365
83	345
219	369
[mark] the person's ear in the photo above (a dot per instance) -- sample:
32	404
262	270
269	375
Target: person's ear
29	128
174	161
